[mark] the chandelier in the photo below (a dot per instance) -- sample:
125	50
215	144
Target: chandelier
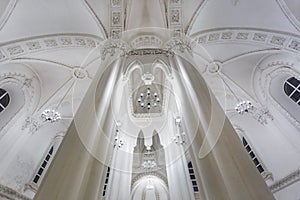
244	107
50	115
148	99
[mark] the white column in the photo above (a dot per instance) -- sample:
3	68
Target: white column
222	165
78	171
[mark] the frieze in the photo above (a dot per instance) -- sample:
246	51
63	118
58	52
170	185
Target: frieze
33	45
9	51
260	37
66	41
51	43
15	50
226	35
90	43
213	36
139	52
242	36
278	39
2	56
295	45
202	39
80	41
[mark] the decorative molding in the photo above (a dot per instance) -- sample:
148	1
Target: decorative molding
286	181
277	39
140	52
111	47
79	73
214	67
116	20
178	45
175	17
146	41
18	48
9	193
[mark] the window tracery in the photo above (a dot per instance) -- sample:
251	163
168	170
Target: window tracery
4	99
292	89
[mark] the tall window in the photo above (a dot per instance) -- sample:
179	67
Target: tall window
106	181
193	177
43	166
253	156
4	99
292	89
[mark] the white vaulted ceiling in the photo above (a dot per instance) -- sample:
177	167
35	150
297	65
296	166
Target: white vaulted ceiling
29	18
50	42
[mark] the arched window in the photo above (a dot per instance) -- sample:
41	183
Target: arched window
253	156
106	182
193	177
292	89
43	166
4	99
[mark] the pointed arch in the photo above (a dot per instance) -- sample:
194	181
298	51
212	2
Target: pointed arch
136	64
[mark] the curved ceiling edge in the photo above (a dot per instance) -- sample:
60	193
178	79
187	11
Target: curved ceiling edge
96	18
